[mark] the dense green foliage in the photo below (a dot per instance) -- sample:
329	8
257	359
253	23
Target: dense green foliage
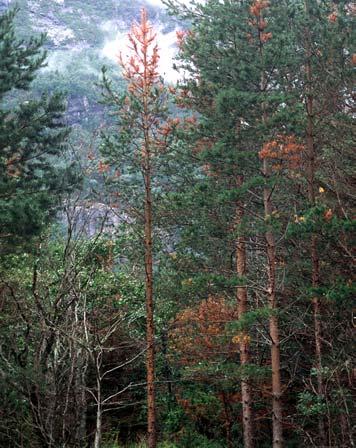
32	140
253	148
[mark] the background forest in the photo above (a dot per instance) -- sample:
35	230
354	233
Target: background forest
177	245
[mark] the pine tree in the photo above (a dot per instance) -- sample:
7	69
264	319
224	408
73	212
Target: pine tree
144	136
260	28
323	35
32	139
235	94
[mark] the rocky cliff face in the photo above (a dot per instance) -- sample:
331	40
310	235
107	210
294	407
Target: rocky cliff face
83	35
81	23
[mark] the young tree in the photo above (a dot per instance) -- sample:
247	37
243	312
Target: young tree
204	348
143	136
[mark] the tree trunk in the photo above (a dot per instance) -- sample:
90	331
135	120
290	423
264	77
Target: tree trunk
277	415
247	416
310	150
150	333
80	383
148	244
98	428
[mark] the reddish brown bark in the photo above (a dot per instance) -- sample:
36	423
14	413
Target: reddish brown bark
277	412
150	330
277	415
141	70
242	300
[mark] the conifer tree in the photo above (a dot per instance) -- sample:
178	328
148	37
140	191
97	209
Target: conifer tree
233	96
144	135
32	139
263	35
323	33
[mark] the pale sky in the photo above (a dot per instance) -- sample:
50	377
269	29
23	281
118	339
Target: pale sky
167	51
167	44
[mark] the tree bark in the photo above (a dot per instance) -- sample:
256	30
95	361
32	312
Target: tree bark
150	330
277	412
311	156
277	415
241	268
148	245
80	383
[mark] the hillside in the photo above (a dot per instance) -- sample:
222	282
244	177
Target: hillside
82	37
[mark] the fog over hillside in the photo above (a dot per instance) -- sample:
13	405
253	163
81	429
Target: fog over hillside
85	35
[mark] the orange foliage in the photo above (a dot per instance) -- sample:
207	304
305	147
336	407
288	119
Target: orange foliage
200	332
12	168
140	69
172	90
265	37
203	144
284	151
191	120
258	6
259	22
198	410
181	35
183	96
165	130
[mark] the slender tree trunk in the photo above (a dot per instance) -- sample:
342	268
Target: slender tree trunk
241	264
150	330
148	244
310	149
98	428
80	383
277	415
141	70
277	411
